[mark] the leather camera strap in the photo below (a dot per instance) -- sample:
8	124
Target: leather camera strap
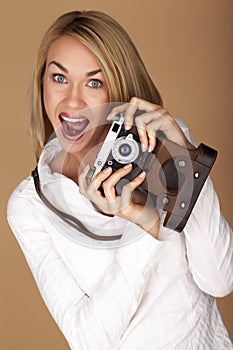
69	219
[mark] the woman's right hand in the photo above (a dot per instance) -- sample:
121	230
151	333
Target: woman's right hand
134	208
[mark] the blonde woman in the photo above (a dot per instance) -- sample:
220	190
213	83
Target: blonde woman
149	287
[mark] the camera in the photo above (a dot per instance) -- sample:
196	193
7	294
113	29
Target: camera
175	174
120	147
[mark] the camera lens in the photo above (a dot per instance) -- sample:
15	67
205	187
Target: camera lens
125	149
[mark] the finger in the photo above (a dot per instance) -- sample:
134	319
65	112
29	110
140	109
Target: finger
149	123
82	179
147	134
110	183
169	127
142	132
128	109
129	116
137	181
100	177
151	132
93	193
127	192
143	105
135	104
111	199
117	110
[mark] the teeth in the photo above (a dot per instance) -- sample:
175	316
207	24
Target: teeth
72	120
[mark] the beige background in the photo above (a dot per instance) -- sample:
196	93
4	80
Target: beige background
188	49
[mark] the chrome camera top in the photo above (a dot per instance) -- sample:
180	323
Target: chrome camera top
119	148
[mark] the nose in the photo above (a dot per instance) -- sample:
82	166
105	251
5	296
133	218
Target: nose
75	98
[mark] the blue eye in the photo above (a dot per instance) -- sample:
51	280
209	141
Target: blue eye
59	78
95	84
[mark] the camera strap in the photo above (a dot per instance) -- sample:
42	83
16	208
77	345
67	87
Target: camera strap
69	219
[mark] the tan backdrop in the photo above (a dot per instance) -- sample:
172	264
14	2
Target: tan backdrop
188	49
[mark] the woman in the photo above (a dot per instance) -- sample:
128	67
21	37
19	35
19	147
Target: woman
155	288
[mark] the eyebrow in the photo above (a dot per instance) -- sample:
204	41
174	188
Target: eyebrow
59	65
88	74
94	72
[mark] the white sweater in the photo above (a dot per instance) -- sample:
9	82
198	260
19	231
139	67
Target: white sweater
137	293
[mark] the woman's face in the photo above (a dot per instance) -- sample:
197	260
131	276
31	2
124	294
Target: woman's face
73	84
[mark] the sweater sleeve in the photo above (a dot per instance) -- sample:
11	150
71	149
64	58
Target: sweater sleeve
209	240
209	244
95	321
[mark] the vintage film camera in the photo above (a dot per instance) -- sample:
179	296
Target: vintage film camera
175	174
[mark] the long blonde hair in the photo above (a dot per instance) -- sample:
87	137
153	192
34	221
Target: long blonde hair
122	66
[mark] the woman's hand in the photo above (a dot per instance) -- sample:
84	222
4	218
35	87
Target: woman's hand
127	206
152	119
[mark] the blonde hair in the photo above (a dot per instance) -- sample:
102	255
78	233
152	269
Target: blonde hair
122	66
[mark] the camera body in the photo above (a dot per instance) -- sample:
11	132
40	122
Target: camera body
120	147
175	174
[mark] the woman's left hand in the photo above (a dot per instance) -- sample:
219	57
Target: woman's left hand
152	119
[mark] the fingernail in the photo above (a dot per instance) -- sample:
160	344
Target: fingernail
127	126
107	170
141	175
143	146
127	166
150	148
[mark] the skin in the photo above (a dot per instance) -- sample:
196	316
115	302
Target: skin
73	83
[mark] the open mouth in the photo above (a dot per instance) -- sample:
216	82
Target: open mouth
73	127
